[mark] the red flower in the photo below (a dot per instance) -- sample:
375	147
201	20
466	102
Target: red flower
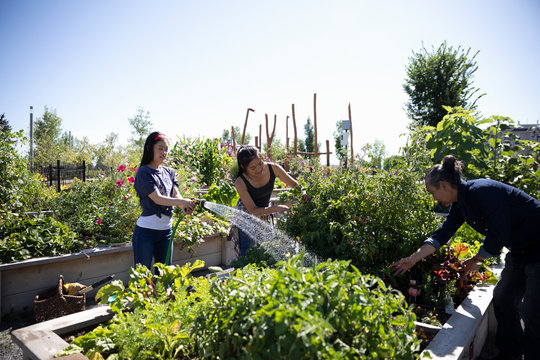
131	179
99	221
119	183
121	168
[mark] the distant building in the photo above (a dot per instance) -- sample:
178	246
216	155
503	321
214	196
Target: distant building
529	132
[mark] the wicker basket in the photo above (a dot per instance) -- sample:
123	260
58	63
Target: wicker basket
53	303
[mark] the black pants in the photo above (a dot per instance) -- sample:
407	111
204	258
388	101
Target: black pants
517	296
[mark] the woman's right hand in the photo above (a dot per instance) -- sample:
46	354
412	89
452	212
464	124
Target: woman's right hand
403	265
187	205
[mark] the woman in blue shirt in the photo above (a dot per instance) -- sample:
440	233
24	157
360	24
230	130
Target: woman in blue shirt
157	188
509	218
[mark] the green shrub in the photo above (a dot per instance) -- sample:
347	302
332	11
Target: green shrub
20	190
200	162
492	152
372	220
24	238
330	311
154	316
100	211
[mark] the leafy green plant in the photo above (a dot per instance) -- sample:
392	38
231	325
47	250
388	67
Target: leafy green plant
20	190
371	220
192	229
330	311
492	152
153	315
101	211
224	194
205	161
23	238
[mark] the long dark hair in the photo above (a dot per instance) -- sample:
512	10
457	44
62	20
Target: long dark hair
151	140
245	154
450	171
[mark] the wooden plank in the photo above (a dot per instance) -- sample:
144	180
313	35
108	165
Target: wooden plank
20	283
76	270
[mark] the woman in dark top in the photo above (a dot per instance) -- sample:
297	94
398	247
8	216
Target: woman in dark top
509	218
254	184
157	188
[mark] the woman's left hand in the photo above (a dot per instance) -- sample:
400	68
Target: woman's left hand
471	265
279	208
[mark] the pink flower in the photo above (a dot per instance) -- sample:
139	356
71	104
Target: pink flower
131	179
99	221
186	189
193	179
121	168
119	183
126	198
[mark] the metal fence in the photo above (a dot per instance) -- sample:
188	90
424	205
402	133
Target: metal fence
61	174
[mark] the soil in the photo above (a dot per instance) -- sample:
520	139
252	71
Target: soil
8	349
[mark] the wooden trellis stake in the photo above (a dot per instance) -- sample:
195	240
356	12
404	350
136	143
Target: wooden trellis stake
260	138
294	127
269	137
245	125
233	139
287	134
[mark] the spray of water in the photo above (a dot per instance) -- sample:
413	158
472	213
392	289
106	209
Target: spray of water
276	243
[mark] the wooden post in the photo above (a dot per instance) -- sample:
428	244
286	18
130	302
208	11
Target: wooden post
269	137
245	125
327	153
257	142
352	150
294	127
315	146
233	139
260	138
287	135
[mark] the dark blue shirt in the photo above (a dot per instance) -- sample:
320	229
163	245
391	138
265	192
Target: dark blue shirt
147	180
507	217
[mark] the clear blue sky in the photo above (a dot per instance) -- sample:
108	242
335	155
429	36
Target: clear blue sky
196	66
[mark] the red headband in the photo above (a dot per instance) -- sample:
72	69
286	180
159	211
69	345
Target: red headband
160	137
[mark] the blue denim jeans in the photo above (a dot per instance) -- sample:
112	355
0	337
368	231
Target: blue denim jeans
517	296
148	244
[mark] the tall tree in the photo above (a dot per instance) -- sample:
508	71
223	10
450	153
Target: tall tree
227	136
142	126
47	130
438	78
4	127
309	132
110	156
376	153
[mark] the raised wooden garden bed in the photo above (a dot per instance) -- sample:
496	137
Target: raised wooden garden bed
21	281
462	337
473	325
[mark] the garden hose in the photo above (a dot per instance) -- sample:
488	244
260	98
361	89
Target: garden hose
168	259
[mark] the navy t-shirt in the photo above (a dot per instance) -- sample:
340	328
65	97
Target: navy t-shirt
507	216
147	180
